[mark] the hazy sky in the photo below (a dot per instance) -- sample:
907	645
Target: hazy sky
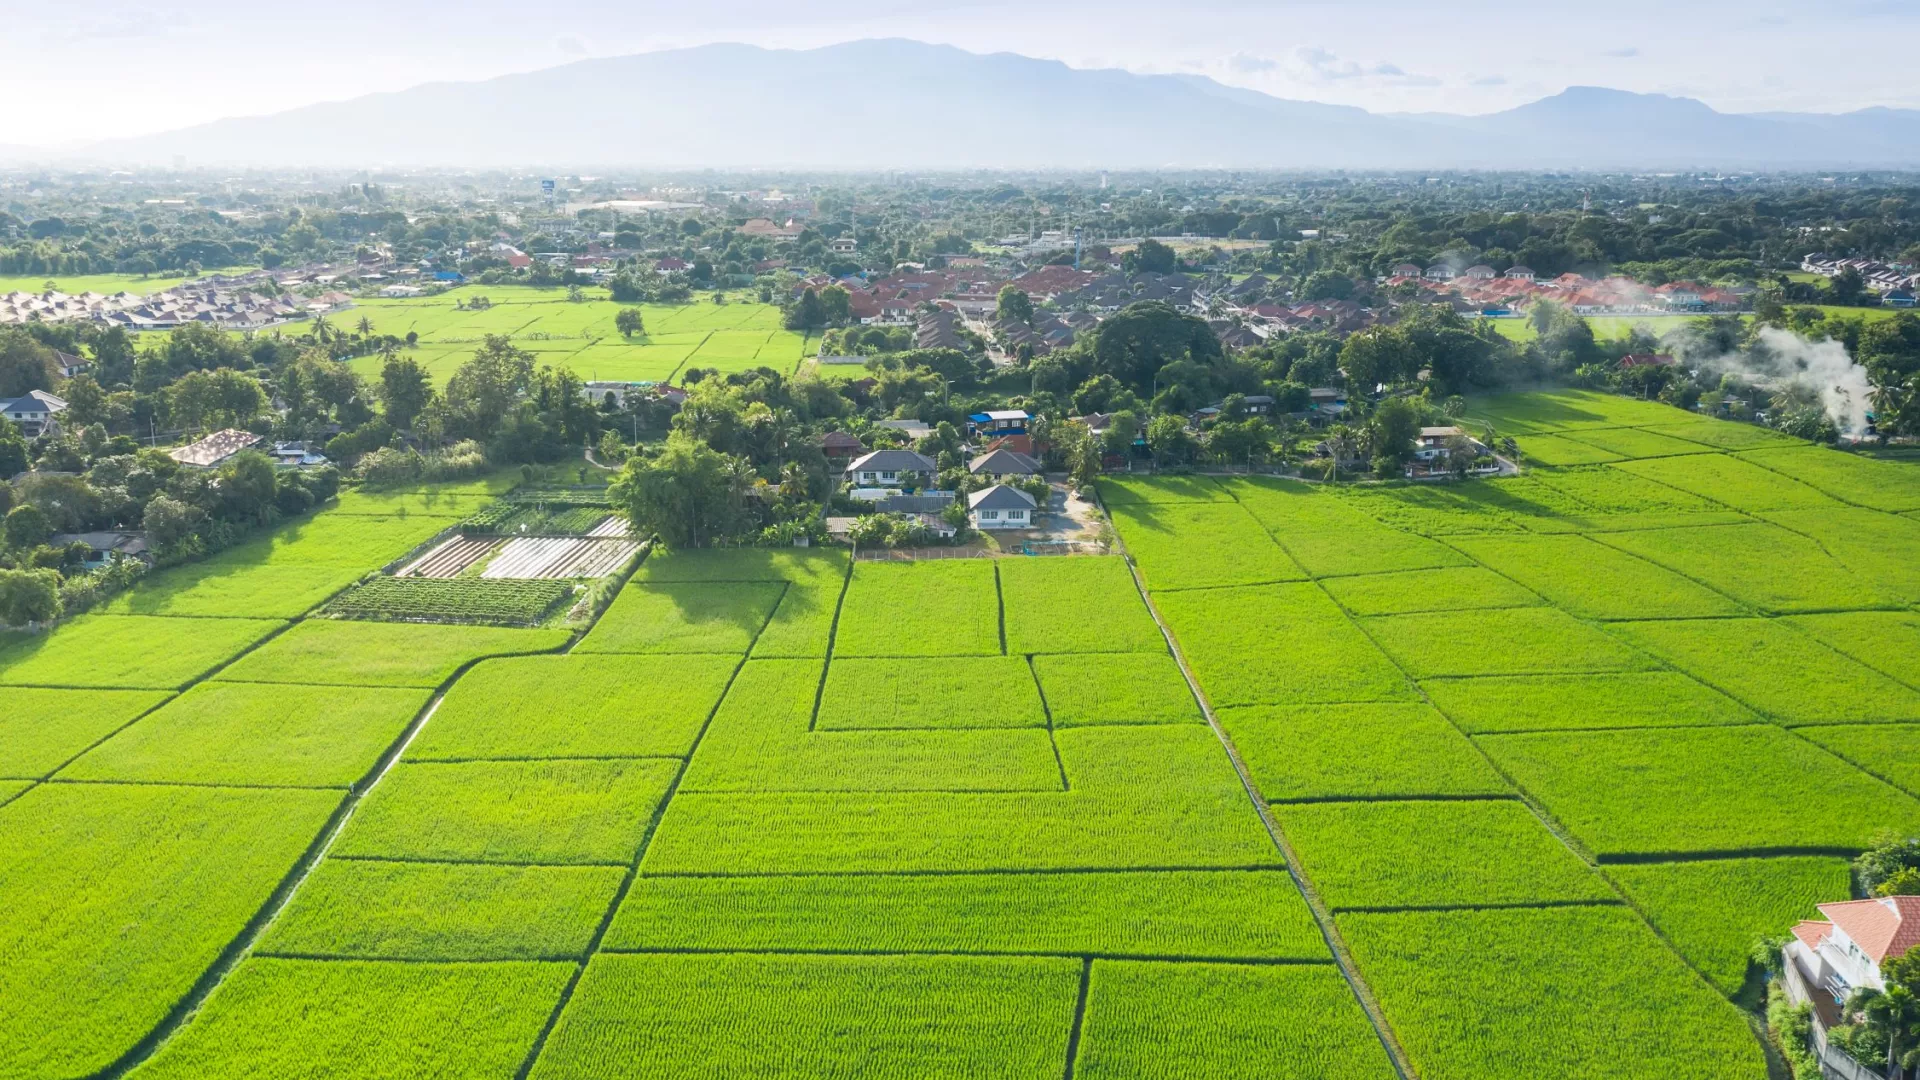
78	71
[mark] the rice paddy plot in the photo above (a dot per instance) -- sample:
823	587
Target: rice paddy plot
1715	911
1782	671
1465	510
576	706
936	608
717	617
611	362
127	651
1115	688
1328	536
1359	751
1574	702
1511	641
803	622
1434	853
1461	588
1878	547
1137	798
1120	490
118	897
1637	442
1201	545
1886	641
41	729
228	589
1741	485
1482	995
762	741
357	909
1611	500
1558	451
366	502
1225	1022
1889	751
1083	604
1725	434
1591	580
648	1015
1762	565
1679	791
1217	914
342	653
558	812
1893	486
257	734
1569	410
320	1020
961	692
1278	643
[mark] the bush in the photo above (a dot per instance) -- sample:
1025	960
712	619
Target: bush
393	466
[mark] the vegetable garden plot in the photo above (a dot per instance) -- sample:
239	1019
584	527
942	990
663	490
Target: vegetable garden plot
1226	1022
1886	641
1777	669
1201	545
1893	486
127	651
1589	579
319	1020
1671	791
257	734
962	692
712	617
1328	537
450	558
1118	490
940	608
1725	434
1557	451
1573	702
1889	751
556	557
1115	688
1140	797
1434	853
1221	914
465	600
1085	604
760	742
558	812
1512	641
1577	992
1739	484
1637	443
1715	910
351	908
1363	751
1457	588
1762	565
118	897
41	729
1278	643
337	652
815	1016
577	706
1878	547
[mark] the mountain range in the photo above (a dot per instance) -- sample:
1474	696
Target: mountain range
899	104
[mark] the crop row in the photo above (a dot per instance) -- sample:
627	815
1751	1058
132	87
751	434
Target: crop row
485	601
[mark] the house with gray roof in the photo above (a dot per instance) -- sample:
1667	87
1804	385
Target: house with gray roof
1003	462
1000	507
891	469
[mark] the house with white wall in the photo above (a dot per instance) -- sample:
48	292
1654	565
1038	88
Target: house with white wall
892	469
1001	507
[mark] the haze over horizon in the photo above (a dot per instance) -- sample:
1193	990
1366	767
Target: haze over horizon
120	70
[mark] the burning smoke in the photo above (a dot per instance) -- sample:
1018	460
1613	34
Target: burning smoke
1780	359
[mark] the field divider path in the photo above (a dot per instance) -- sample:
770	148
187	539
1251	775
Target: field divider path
640	853
833	634
1322	914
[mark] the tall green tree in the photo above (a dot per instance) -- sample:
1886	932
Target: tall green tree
405	390
1013	303
487	387
685	494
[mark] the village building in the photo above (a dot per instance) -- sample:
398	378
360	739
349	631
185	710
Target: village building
891	469
35	412
1003	463
210	451
1000	507
102	547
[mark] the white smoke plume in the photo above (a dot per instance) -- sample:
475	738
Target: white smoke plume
1780	358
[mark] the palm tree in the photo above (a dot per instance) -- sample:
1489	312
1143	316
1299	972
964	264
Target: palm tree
365	326
1892	1014
322	331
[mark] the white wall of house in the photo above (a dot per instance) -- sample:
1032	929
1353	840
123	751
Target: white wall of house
1002	519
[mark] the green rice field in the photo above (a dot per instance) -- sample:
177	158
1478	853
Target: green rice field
1489	781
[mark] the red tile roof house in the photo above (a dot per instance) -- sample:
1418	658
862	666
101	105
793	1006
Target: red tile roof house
1828	960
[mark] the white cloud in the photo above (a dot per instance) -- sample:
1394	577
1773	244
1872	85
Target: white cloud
1315	65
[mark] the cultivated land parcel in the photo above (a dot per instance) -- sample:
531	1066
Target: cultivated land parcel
1491	780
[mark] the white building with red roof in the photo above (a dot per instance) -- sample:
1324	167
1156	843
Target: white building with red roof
1843	952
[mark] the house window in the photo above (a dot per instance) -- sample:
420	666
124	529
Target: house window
989	515
886	476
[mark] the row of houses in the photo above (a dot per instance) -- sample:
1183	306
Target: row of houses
228	307
1896	283
1480	290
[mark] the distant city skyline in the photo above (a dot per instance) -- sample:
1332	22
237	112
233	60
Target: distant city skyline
118	69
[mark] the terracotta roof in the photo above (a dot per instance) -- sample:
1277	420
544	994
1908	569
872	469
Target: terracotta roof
1812	932
1885	927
